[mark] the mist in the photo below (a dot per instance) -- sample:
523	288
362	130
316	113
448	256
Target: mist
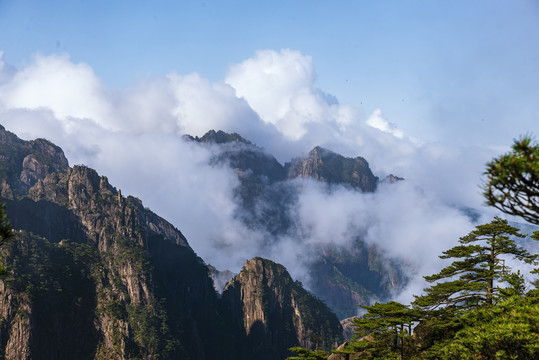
134	137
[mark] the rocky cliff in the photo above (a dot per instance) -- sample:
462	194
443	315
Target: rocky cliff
263	194
95	275
343	277
332	168
276	312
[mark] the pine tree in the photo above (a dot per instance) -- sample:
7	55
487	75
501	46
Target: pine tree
473	279
384	332
306	354
513	181
508	330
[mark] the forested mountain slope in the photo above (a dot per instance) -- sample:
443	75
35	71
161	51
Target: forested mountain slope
95	275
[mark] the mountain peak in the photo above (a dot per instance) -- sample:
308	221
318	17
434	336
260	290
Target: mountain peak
220	137
278	312
326	165
23	163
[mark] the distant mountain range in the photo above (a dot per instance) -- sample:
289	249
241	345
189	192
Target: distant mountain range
342	276
95	275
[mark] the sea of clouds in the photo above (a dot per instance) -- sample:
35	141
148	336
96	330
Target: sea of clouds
134	136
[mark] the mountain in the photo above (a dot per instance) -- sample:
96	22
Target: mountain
332	168
263	193
344	277
96	275
277	312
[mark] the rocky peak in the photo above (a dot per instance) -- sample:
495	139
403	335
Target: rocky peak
391	179
97	275
23	163
277	313
219	137
325	165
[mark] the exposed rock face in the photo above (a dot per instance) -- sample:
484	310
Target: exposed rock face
262	193
15	311
95	275
219	137
342	277
22	163
353	276
391	179
327	166
348	328
277	312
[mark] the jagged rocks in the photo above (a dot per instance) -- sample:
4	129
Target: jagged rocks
23	163
95	275
276	313
332	168
15	337
103	277
268	194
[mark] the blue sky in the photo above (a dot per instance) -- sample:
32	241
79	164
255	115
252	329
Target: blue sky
458	71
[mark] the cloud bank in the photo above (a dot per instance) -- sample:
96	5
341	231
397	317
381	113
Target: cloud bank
133	136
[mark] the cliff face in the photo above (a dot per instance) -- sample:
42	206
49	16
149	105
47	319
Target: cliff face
343	278
22	163
332	168
276	312
95	274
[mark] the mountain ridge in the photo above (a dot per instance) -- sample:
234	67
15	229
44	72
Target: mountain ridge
96	275
268	193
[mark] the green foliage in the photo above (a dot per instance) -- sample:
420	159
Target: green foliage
306	354
471	315
516	285
513	181
151	331
509	330
56	281
6	232
474	277
384	331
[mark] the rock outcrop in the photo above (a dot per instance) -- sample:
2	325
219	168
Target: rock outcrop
96	275
268	193
276	312
332	168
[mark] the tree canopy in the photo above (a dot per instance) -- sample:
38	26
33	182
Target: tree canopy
473	278
306	354
384	332
509	330
477	308
513	181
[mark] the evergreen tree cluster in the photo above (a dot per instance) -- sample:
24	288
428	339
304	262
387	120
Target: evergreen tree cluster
477	307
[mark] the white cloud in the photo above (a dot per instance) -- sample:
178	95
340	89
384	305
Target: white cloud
280	87
377	121
68	89
133	137
270	80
